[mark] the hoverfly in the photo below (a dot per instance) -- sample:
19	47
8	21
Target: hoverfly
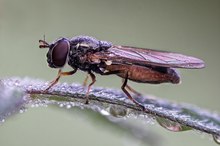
130	63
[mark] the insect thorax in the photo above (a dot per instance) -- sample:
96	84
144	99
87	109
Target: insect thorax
81	47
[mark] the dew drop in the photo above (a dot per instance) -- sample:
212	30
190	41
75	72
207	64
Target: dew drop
104	112
2	120
68	106
117	111
216	138
29	87
16	83
22	110
172	126
72	104
61	105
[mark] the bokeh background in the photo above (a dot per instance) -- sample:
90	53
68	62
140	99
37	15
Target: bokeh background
188	27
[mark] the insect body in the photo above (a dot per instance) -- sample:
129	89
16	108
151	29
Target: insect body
137	64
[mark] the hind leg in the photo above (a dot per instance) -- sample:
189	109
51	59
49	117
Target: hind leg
128	94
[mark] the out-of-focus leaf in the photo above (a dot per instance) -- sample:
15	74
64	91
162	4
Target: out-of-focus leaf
12	100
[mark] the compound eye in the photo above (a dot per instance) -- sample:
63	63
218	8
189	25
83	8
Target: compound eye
60	52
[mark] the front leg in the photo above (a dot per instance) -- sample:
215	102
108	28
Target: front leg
60	73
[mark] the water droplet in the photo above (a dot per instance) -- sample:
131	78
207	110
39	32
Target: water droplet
172	126
104	112
29	87
61	105
72	104
16	83
216	138
2	121
22	110
68	106
118	111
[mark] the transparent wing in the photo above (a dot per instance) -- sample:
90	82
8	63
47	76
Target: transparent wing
146	57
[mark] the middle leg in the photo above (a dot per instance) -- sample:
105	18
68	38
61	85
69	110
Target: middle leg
93	77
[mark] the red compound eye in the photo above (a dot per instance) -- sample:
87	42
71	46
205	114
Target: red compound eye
60	52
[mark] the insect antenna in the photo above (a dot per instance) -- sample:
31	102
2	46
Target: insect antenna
43	44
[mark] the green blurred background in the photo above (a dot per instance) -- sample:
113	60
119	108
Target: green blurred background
188	27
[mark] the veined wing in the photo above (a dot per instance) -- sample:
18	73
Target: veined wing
146	57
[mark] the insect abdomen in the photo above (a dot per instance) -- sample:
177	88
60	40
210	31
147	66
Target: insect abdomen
146	74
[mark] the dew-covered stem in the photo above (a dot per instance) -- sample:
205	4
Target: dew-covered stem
189	116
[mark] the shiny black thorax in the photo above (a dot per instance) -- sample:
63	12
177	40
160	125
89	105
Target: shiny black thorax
83	46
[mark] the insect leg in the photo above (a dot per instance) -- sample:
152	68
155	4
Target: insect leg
90	85
60	73
131	89
127	93
85	81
